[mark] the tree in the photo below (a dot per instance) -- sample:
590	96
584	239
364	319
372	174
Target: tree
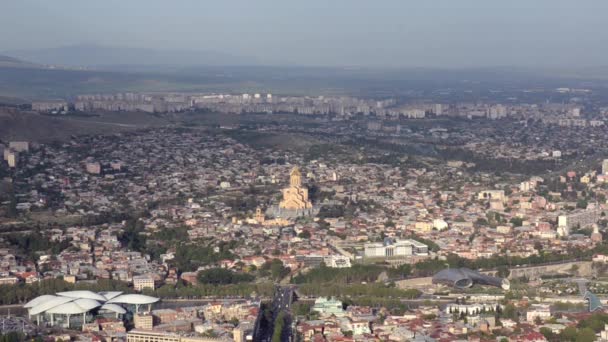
510	312
581	203
585	335
568	334
304	234
277	270
222	276
279	325
12	206
503	271
549	335
516	221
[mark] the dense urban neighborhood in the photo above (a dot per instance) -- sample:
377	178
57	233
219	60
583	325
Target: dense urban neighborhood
303	171
364	220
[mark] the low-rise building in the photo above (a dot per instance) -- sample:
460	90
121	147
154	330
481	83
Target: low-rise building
395	248
143	282
143	321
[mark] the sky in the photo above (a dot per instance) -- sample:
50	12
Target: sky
363	33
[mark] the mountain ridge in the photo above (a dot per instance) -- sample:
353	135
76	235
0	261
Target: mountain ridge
101	56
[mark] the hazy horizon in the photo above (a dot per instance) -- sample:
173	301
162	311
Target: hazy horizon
340	33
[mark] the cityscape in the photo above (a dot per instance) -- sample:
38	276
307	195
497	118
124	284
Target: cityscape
194	196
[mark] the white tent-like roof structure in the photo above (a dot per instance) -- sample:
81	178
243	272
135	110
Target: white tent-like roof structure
78	306
80	302
48	304
134	299
82	294
114	308
110	294
38	300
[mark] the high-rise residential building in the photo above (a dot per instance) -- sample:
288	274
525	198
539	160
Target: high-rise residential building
11	157
605	166
438	109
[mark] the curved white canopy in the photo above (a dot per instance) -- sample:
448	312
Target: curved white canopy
49	304
78	302
114	308
82	294
78	306
133	299
38	300
110	294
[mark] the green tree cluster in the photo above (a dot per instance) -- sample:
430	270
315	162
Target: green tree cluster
222	276
35	242
356	274
22	293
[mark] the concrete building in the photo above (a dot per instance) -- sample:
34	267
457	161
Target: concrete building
423	226
19	146
50	106
395	248
328	306
491	195
605	167
438	109
538	310
143	282
243	332
337	261
582	219
11	157
143	321
137	335
93	168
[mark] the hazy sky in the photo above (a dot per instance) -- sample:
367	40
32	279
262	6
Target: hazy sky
436	33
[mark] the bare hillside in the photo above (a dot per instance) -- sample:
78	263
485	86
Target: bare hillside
17	125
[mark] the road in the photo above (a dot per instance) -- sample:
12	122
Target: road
282	299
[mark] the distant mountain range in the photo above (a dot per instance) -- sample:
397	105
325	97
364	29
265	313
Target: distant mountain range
97	56
11	62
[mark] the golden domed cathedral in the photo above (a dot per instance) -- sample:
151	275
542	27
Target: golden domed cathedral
295	197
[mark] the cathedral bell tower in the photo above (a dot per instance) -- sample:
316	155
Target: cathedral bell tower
295	178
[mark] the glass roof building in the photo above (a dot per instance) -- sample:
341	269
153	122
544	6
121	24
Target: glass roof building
463	278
